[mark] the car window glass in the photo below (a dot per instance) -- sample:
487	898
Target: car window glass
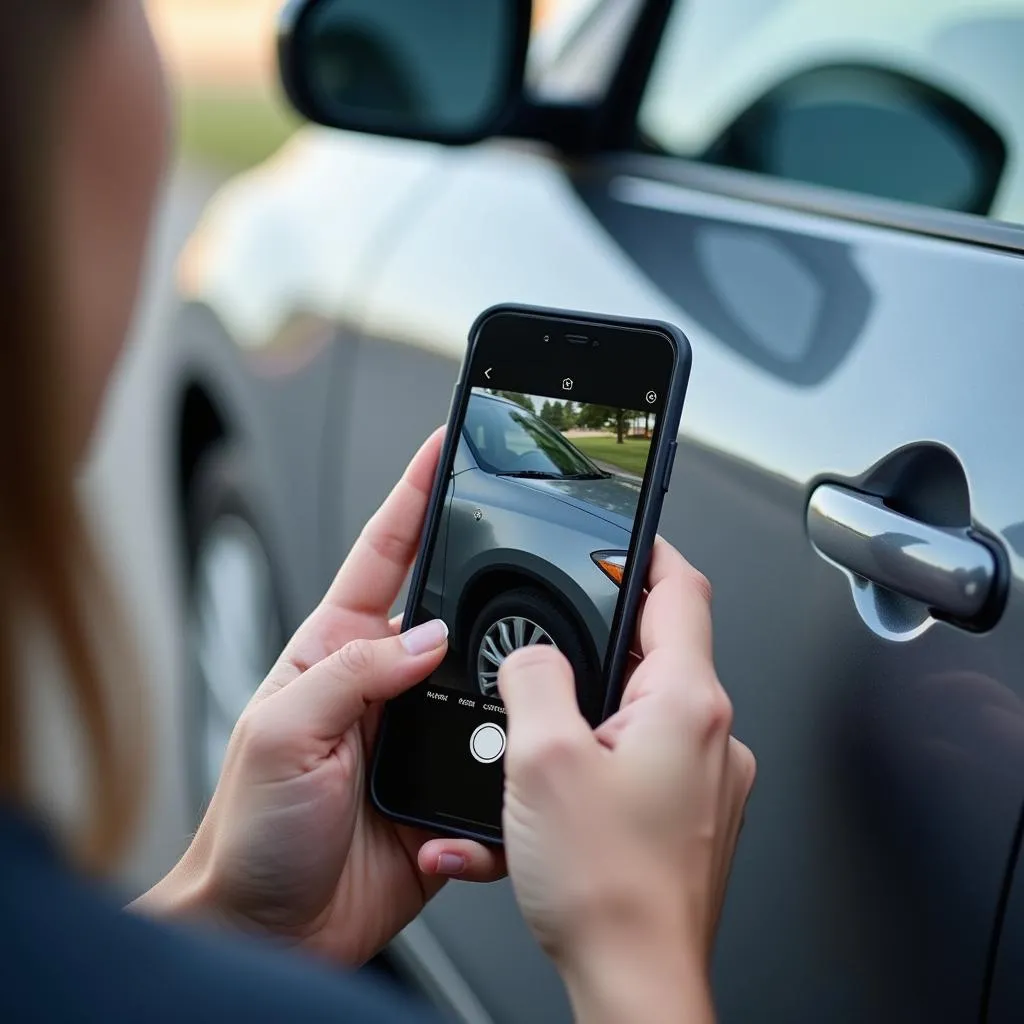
508	439
919	101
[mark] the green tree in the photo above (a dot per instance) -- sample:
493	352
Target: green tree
597	417
621	418
594	417
547	413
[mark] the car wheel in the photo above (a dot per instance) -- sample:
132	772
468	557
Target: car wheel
234	624
520	618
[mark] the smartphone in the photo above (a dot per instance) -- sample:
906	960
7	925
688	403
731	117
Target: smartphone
560	447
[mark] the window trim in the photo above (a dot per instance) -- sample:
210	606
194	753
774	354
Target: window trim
818	200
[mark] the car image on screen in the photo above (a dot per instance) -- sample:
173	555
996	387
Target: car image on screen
531	547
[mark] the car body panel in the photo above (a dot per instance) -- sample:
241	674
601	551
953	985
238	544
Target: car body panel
301	233
612	499
541	537
1007	994
273	405
905	365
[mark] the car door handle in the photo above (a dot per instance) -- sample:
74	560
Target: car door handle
949	570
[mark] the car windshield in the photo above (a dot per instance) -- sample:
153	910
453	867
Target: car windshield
508	440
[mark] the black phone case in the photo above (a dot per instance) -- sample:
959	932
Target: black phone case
648	516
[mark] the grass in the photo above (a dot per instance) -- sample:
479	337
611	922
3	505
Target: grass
630	456
228	130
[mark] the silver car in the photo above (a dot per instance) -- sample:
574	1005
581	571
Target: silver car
531	548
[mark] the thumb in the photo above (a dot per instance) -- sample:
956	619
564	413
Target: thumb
332	696
539	692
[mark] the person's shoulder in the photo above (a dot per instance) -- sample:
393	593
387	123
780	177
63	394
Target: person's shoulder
70	953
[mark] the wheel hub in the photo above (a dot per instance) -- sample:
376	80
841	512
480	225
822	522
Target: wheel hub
501	639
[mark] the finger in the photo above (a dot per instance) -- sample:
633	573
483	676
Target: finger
744	768
378	563
677	612
335	694
462	859
395	624
537	686
611	729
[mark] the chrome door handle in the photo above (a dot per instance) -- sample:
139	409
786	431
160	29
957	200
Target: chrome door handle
948	570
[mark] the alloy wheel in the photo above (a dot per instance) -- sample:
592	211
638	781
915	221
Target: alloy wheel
501	639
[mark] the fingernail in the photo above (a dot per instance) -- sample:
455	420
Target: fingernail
451	864
425	638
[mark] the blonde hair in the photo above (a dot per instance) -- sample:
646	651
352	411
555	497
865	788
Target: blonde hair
48	571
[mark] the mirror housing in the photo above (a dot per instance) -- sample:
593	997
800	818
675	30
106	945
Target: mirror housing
448	71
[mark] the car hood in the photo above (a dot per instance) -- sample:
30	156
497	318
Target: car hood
613	499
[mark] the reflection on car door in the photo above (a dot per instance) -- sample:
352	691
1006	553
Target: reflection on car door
875	851
871	347
876	844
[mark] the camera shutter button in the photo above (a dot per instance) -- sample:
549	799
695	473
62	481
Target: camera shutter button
487	744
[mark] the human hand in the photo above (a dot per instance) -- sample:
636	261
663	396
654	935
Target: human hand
290	844
620	841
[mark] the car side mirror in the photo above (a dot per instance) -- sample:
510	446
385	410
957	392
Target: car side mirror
446	71
871	130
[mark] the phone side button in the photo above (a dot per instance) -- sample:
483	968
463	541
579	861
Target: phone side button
673	447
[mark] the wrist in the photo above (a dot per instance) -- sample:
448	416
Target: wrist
639	983
185	893
637	968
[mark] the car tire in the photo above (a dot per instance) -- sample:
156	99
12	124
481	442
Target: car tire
535	608
234	625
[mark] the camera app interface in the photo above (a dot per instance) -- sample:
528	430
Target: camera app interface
531	549
535	534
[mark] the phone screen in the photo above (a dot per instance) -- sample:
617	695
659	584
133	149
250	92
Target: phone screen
556	427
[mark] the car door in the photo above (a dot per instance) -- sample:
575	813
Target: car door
849	472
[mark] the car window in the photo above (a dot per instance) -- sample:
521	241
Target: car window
916	100
507	439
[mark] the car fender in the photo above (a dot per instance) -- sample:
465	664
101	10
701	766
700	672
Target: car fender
540	572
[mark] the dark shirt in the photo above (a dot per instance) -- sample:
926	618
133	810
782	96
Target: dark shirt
68	952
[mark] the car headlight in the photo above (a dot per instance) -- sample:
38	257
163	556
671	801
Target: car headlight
612	564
